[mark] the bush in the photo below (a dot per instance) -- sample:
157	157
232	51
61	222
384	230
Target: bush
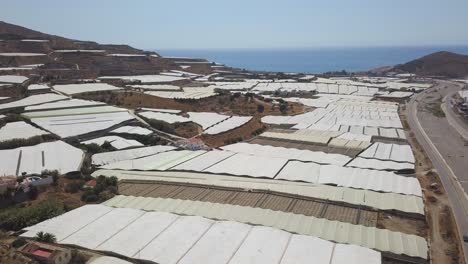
89	196
19	242
45	237
260	108
74	186
20	216
21	142
53	173
283	107
93	148
105	195
77	257
33	193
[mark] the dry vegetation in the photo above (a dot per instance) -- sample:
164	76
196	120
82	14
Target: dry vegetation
235	104
249	130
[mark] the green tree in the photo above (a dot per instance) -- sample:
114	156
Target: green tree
45	237
260	108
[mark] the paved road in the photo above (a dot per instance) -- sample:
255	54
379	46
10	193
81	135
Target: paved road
454	119
445	148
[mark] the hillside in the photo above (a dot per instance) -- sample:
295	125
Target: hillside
441	63
90	64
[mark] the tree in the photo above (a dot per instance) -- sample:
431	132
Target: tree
33	193
283	107
260	108
45	237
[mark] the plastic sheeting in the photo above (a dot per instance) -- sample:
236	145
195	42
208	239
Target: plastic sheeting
381	181
56	155
75	125
381	201
189	239
129	154
342	232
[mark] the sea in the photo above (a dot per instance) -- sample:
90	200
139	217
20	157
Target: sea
313	60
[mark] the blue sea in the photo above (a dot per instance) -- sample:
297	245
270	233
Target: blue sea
314	60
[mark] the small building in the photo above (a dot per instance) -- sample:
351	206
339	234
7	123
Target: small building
90	184
192	144
46	253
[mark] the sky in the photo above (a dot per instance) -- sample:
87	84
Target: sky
247	24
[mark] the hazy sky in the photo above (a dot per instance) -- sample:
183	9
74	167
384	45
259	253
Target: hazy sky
207	24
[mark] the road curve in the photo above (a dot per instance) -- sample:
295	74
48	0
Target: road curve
452	118
456	196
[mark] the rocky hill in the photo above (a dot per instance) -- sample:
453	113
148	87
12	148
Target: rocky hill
438	64
59	65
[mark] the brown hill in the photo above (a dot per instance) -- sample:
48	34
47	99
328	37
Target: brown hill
80	65
441	63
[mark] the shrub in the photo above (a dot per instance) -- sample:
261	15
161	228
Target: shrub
89	196
33	193
74	186
105	195
283	107
20	216
77	257
93	148
260	108
19	242
45	237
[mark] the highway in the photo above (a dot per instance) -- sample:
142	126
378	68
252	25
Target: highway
445	148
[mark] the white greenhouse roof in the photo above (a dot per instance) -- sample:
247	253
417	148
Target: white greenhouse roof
34	87
72	103
380	181
19	130
331	230
135	130
206	119
107	260
33	100
84	87
382	201
377	164
74	125
100	109
228	124
160	161
204	161
80	50
128	154
392	152
288	153
56	155
169	111
115	141
125	55
249	165
35	40
190	239
350	113
185	93
12	79
21	54
165	117
145	78
159	87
